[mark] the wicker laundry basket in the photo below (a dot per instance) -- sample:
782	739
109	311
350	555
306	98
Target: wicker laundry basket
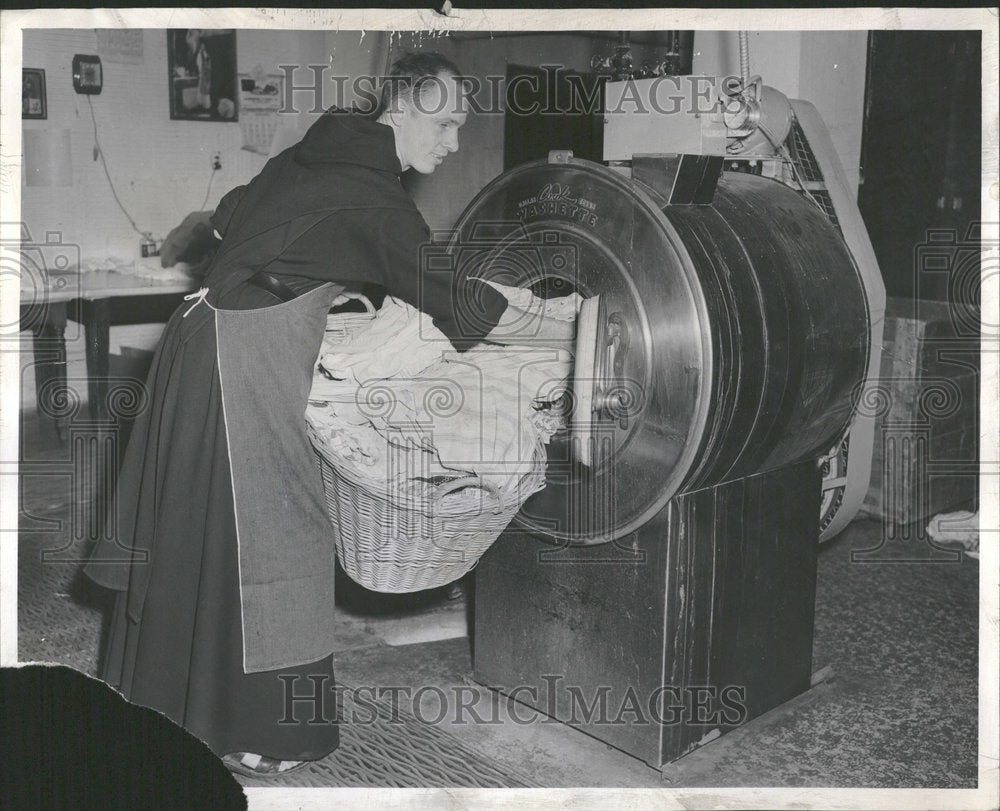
391	542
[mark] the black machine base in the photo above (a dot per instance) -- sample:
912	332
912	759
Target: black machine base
664	639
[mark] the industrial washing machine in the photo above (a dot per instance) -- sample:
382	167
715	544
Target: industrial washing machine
660	589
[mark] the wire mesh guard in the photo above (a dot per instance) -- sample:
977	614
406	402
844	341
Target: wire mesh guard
807	164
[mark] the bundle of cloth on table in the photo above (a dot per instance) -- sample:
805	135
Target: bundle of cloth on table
145	268
396	406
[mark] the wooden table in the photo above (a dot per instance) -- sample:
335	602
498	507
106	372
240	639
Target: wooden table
94	290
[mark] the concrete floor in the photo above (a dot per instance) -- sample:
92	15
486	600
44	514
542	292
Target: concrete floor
896	620
900	708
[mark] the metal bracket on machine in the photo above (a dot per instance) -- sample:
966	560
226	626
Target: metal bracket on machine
599	390
682	179
584	379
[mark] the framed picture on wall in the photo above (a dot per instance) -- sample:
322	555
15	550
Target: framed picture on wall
33	103
201	63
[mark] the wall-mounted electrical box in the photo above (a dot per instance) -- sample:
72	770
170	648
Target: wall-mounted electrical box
88	76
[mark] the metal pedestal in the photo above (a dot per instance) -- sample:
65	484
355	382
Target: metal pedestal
662	640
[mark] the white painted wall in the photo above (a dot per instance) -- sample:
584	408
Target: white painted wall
832	76
443	196
160	168
825	68
345	54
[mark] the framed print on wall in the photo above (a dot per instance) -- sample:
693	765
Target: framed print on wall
33	104
201	63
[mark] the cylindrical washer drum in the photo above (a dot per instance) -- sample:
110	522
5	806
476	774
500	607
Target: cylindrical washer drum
733	336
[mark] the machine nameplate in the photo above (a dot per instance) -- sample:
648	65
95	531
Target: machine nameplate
558	199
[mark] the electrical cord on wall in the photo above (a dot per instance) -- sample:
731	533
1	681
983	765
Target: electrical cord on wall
99	152
208	191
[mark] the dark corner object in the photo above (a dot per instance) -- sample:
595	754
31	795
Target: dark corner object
71	741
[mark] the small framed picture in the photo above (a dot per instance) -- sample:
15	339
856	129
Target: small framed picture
33	94
201	63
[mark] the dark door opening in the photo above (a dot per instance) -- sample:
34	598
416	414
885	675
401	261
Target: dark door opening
550	109
921	154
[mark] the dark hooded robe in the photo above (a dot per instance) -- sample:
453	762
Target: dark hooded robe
191	636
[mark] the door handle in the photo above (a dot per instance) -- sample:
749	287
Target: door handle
611	398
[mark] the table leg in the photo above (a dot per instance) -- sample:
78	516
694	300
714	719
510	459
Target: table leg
97	324
49	351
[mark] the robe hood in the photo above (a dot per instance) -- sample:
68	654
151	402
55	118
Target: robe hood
347	136
346	160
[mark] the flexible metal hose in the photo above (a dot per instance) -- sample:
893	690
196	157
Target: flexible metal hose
744	39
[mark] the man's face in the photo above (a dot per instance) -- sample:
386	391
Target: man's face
427	125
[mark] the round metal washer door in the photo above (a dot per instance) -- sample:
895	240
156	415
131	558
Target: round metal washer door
580	226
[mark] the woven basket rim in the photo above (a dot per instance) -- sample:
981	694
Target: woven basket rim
405	502
392	557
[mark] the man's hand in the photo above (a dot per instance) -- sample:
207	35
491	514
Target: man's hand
191	241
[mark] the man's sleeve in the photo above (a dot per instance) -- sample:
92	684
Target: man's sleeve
191	242
223	214
423	274
392	248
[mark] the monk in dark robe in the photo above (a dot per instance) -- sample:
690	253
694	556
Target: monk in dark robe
223	553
